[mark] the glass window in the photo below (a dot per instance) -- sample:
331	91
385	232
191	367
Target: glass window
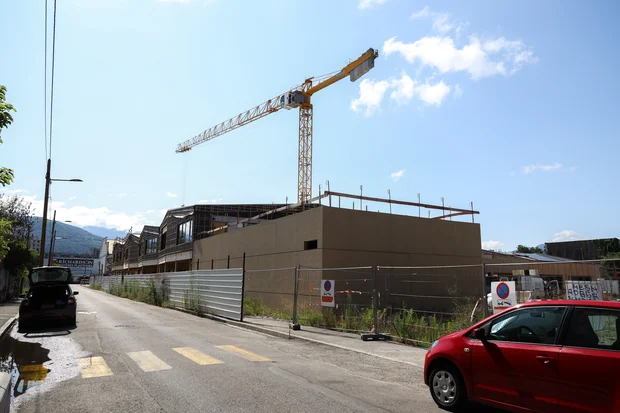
185	233
151	246
594	328
539	325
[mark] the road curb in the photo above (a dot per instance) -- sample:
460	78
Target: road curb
268	331
7	326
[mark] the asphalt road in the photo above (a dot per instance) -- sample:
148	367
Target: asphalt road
126	356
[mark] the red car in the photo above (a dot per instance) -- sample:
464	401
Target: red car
544	356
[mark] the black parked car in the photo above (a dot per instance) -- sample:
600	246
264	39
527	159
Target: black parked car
49	298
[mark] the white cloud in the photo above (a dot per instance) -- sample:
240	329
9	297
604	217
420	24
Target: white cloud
13	191
458	91
150	211
433	94
368	4
492	245
162	212
121	195
442	22
406	88
566	235
528	169
496	57
371	95
72	198
425	12
84	216
397	175
171	195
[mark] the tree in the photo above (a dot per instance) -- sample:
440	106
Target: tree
5	236
529	250
17	211
6	174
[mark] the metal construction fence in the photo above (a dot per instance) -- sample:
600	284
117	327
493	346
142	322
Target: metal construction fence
414	304
218	292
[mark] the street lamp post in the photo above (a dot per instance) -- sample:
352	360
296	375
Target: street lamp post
48	182
50	257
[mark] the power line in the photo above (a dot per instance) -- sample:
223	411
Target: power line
52	93
45	88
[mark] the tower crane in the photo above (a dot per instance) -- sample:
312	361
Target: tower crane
297	97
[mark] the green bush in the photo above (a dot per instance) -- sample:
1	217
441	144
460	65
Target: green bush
191	299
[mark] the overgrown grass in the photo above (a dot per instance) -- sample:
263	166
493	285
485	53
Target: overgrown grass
405	325
134	290
191	299
256	307
97	287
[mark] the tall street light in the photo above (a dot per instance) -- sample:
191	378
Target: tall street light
50	254
48	182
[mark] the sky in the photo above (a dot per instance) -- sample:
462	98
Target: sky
510	105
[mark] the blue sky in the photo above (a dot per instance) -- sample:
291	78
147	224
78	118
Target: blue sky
511	105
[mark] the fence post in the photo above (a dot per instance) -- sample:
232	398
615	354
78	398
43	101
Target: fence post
484	290
295	325
228	265
198	264
212	263
242	288
375	300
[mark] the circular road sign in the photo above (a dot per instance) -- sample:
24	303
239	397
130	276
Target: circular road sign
327	285
503	291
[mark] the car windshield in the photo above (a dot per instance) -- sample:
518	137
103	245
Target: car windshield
42	275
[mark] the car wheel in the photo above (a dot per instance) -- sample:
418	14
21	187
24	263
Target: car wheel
22	326
447	387
74	321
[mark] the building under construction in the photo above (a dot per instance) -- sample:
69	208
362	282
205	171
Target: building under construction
320	234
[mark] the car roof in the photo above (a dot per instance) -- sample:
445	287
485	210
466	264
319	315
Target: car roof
580	303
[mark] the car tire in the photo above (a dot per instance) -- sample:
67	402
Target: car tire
447	387
22	326
73	321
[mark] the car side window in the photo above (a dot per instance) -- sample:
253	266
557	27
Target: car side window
536	325
596	328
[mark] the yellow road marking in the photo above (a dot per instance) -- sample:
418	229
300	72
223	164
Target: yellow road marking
148	361
243	353
197	356
94	367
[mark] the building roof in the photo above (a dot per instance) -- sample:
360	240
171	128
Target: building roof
540	257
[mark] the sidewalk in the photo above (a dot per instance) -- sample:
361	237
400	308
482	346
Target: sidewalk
383	349
8	312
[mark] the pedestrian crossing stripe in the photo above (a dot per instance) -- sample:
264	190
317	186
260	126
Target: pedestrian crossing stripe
197	356
243	353
94	367
148	361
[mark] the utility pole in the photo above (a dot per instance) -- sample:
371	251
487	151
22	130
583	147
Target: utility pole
44	224
51	251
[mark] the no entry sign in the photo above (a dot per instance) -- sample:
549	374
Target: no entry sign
327	293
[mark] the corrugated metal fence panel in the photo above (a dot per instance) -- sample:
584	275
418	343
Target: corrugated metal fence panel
220	291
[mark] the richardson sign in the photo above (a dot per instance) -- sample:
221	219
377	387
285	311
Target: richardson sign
75	262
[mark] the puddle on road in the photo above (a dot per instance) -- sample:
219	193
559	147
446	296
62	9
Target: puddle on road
24	362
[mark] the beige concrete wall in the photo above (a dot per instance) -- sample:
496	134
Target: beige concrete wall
270	245
348	238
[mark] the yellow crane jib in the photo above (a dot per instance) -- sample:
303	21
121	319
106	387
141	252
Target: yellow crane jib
298	97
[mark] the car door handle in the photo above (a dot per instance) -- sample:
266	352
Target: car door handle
544	359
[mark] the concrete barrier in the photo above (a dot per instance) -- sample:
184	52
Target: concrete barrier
5	392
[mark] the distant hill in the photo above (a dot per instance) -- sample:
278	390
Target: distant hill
69	239
106	232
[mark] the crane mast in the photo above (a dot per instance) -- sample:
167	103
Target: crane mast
298	97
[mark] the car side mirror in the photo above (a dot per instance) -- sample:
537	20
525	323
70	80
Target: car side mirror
480	334
76	292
